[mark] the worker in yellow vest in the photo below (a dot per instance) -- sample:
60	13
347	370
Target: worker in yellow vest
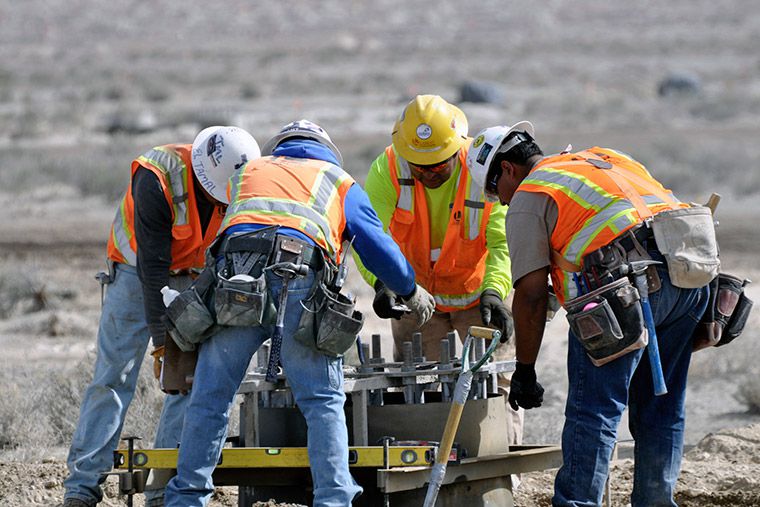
596	221
169	215
290	213
454	238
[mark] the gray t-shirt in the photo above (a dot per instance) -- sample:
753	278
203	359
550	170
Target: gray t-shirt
531	219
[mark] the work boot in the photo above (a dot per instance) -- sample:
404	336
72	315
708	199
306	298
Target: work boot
76	502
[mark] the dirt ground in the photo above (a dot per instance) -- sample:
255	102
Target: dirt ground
86	86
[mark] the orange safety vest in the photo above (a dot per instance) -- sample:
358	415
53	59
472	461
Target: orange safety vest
172	164
454	273
304	194
600	194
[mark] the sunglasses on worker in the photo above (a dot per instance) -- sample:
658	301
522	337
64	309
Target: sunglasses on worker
433	168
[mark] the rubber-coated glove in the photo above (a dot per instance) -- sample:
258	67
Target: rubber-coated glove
494	311
421	303
385	304
524	390
158	361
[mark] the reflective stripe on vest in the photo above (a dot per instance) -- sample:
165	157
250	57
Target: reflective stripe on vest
172	165
473	205
121	235
606	212
457	300
175	173
454	272
311	215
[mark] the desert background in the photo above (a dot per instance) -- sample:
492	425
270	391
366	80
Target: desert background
87	86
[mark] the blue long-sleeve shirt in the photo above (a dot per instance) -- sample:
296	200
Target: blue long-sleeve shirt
377	251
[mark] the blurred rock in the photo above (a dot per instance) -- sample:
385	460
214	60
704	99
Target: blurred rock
130	122
481	92
679	84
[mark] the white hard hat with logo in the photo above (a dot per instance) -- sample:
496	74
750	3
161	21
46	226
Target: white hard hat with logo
306	129
490	141
217	153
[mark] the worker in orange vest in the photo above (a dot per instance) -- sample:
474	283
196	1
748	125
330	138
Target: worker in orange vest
454	238
290	213
169	215
587	219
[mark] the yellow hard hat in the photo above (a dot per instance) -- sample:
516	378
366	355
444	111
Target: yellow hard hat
429	130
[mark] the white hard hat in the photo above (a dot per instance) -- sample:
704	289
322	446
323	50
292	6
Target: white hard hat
488	142
217	153
302	128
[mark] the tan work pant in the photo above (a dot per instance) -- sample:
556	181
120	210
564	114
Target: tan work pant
436	329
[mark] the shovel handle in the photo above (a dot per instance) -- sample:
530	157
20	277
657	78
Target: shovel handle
484	332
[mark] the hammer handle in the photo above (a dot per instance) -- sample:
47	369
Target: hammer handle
713	202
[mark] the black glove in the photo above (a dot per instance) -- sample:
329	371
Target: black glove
494	311
385	300
524	391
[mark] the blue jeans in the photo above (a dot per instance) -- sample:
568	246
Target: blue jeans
122	339
317	384
598	396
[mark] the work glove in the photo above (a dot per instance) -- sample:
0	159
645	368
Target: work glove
524	390
386	302
494	311
158	361
421	303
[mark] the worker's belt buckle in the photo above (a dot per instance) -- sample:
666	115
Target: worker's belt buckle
608	322
297	251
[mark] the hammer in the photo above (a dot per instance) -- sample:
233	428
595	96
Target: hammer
639	269
286	271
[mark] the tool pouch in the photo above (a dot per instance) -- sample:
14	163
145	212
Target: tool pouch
726	314
240	300
190	320
738	320
329	324
339	325
608	322
686	238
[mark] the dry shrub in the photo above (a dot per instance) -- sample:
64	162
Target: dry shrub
22	290
93	169
749	394
39	408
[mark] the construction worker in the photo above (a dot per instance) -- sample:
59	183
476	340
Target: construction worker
296	205
584	218
170	214
422	191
